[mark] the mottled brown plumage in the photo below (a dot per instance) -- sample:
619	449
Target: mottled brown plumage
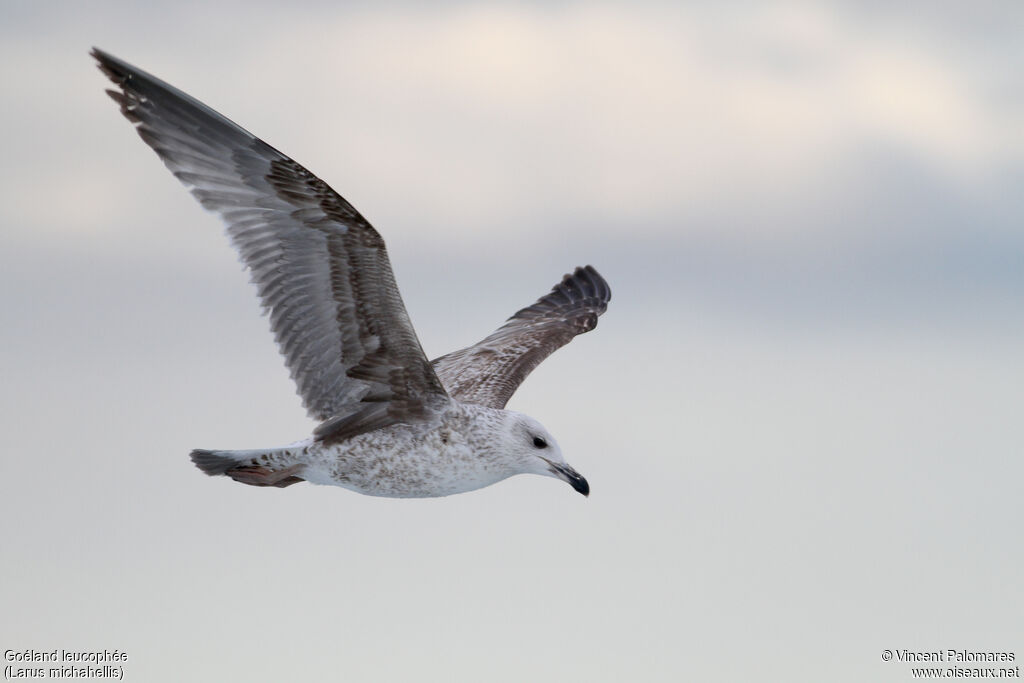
490	371
317	264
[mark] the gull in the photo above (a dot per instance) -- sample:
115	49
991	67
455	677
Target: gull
391	423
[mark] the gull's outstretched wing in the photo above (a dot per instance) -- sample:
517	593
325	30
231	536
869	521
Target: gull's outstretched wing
320	268
489	372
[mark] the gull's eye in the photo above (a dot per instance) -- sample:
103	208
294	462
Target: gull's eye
539	442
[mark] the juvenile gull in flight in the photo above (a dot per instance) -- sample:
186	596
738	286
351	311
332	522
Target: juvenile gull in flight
391	423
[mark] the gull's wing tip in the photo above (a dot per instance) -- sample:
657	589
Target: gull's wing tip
592	281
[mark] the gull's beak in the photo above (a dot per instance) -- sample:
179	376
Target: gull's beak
569	475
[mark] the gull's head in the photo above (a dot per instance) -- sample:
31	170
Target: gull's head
537	452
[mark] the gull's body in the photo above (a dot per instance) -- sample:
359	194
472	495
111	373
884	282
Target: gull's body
391	423
455	453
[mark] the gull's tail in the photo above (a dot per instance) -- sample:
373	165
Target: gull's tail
275	467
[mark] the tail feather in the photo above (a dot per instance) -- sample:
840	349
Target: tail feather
246	467
212	462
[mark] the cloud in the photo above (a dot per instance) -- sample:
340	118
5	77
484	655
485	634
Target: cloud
466	124
648	115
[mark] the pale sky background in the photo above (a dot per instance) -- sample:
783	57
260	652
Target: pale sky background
800	417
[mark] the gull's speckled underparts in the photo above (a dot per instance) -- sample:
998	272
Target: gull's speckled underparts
391	423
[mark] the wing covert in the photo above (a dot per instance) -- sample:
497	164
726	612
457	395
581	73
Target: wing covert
321	270
490	371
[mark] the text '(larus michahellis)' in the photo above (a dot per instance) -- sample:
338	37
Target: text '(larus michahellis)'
391	423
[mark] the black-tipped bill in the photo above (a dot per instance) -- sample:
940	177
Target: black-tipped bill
568	474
